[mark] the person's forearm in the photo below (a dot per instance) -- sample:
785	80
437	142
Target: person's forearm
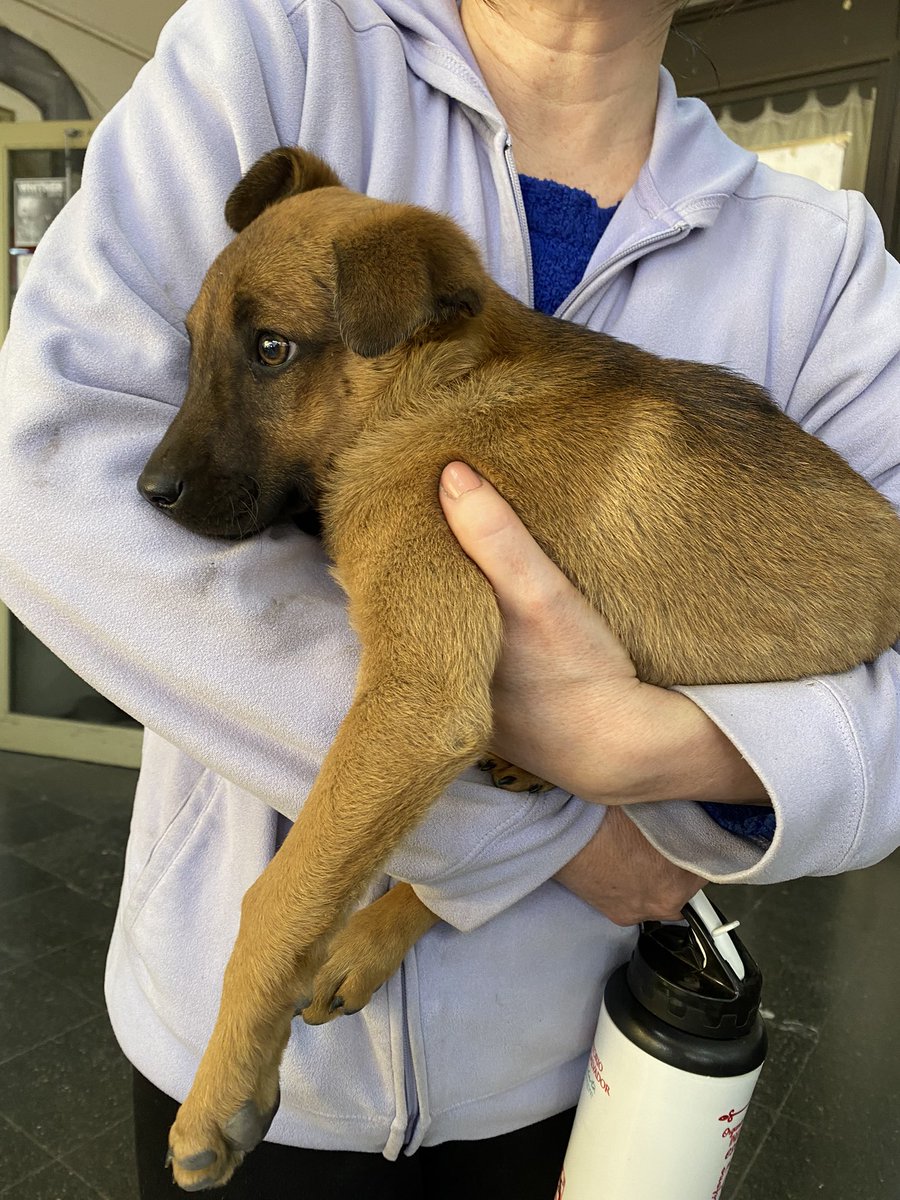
675	752
620	874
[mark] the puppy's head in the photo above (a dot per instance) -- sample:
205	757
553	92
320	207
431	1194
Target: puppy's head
312	304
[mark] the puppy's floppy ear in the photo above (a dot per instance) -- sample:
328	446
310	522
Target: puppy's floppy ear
284	172
399	270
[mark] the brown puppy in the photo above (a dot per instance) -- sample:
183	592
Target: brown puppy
345	350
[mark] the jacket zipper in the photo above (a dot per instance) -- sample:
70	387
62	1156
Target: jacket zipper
411	1093
603	274
523	219
410	1090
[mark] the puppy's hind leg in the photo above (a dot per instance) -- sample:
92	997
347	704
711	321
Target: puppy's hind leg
366	953
511	778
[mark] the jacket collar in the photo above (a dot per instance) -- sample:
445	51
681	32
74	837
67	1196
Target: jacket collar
692	168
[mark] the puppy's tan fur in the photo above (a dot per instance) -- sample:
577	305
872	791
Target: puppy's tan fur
721	543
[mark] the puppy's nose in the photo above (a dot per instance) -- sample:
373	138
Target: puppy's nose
161	489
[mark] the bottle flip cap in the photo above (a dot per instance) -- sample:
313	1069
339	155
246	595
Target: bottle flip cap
696	977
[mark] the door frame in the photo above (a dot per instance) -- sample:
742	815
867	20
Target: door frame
54	737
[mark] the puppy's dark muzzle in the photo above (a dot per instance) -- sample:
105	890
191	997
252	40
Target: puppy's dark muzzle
229	505
163	489
212	503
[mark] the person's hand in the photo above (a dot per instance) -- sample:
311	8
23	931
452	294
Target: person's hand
568	705
621	875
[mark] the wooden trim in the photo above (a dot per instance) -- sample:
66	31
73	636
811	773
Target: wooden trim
884	151
730	45
45	135
867	73
5	662
52	738
56	737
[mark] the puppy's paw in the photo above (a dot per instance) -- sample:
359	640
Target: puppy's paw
207	1146
512	778
342	987
366	953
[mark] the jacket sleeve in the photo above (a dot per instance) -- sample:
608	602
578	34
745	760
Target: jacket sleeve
238	653
826	748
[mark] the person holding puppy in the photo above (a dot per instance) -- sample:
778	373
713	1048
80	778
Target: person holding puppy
550	134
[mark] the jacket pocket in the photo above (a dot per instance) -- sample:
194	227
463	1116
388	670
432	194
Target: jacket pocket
174	838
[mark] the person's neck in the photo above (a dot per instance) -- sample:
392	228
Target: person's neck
578	92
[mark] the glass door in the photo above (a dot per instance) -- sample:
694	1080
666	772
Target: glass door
44	707
812	87
822	131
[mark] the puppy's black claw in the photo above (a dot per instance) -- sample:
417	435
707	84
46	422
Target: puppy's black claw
486	764
535	788
247	1128
169	1157
336	1003
303	1002
505	781
196	1162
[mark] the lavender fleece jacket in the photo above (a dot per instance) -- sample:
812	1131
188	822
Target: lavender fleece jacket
238	657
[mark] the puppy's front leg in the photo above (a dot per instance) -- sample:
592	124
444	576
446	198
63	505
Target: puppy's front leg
420	716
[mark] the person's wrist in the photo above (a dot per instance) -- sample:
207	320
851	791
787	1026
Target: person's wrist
671	750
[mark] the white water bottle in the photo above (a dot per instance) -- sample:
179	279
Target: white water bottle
678	1050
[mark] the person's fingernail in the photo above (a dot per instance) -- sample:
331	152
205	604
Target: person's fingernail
457	479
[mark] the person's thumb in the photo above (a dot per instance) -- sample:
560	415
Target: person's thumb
496	540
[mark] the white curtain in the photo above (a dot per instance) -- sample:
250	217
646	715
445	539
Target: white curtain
825	142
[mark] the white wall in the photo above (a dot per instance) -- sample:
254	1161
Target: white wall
101	44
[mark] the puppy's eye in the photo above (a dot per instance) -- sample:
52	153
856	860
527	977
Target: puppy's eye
272	350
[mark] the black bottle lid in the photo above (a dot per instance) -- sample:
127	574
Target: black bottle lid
679	973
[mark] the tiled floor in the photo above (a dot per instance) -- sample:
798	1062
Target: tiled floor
825	1124
65	1108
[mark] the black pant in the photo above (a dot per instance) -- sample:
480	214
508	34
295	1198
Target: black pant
524	1164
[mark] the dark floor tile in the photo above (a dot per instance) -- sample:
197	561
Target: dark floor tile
797	918
8	962
825	923
80	966
797	1001
87	789
19	1155
735	900
754	1131
34	1009
828	958
787	1055
108	1162
34	925
100	799
17	787
55	1182
88	858
812	939
23	823
807	1162
70	1090
21	878
847	1097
